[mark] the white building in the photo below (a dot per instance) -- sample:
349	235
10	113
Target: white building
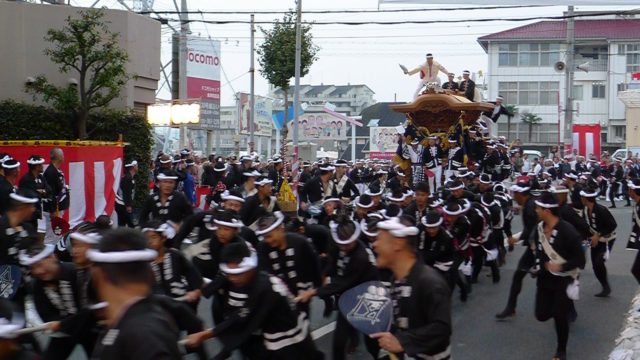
521	69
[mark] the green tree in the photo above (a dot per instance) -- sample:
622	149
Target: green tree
513	110
277	56
530	119
87	50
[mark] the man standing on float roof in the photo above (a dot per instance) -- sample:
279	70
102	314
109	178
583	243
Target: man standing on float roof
428	73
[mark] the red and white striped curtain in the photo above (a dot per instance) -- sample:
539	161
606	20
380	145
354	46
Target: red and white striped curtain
586	138
91	172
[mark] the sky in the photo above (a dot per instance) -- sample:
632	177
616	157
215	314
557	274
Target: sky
364	54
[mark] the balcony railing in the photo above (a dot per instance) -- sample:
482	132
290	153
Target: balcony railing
594	64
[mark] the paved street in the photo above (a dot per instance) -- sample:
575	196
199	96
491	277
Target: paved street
477	336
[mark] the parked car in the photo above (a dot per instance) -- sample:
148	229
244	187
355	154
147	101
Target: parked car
625	153
532	154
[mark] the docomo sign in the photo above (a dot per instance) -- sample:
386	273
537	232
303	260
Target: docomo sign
200	58
173	114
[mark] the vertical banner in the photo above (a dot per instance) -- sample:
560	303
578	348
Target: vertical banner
383	142
91	172
203	79
263	120
586	139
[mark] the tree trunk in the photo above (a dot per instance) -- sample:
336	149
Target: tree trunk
82	117
509	128
285	130
530	131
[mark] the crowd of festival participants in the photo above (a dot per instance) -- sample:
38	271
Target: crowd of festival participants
427	228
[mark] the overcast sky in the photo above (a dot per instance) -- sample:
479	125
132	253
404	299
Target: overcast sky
364	54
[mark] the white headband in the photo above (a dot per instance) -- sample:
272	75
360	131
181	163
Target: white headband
117	257
485	182
361	205
247	263
425	223
279	219
559	191
545	205
35	162
589	195
227	196
368	192
17	164
165	229
234	223
220	169
23	199
27	260
162	176
571	176
264	182
166	161
458	212
401	198
330	200
383	212
326	168
398	229
517	188
88	238
334	233
253	173
461	186
365	229
133	163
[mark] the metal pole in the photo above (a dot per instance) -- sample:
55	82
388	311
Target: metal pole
353	142
568	105
252	95
182	90
296	96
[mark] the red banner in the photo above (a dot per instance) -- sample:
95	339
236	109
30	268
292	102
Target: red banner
91	172
586	139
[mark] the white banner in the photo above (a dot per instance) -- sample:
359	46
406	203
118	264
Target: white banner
383	139
263	122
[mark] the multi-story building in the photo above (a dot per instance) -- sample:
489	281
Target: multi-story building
348	99
523	69
24	25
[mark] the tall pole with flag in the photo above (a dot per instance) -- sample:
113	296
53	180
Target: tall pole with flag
296	96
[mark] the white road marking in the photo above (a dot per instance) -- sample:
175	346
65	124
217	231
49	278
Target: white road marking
322	331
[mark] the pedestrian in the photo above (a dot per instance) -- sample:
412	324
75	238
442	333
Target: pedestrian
603	235
522	195
421	301
136	326
126	195
559	252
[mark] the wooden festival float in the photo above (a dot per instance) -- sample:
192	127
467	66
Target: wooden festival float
441	113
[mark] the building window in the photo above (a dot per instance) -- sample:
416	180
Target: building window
528	55
578	91
598	91
529	92
632	52
619	132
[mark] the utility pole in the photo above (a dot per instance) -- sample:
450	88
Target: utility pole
182	65
570	67
296	96
252	95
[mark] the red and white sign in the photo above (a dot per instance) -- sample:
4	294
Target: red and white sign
203	69
91	172
586	139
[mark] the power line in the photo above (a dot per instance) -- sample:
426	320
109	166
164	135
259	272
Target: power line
356	23
346	11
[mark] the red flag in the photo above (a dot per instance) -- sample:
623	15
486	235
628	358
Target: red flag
635	76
